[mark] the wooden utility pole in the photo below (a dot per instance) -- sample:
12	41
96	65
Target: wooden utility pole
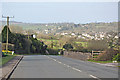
51	42
7	30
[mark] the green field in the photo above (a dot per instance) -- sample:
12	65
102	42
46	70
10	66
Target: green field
47	42
6	59
84	44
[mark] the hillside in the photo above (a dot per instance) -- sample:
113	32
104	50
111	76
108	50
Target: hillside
66	27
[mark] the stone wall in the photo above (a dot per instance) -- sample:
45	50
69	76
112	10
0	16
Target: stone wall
77	55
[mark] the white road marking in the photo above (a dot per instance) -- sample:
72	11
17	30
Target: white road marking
65	64
93	76
72	67
59	62
76	69
68	66
54	59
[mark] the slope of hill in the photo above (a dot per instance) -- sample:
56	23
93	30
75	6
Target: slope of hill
66	27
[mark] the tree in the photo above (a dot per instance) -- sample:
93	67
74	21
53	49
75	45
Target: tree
68	46
97	45
78	47
4	34
16	29
107	55
33	48
112	42
22	44
66	40
52	42
116	57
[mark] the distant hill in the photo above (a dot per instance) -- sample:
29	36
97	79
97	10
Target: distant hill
67	27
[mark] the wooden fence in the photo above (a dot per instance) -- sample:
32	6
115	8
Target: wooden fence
95	54
10	46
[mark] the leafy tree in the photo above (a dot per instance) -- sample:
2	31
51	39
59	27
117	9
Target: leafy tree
117	57
66	40
33	49
112	42
107	55
4	32
22	44
68	46
97	45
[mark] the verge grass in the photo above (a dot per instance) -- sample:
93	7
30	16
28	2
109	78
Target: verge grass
100	61
5	59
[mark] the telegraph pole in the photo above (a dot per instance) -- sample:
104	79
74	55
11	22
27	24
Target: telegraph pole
7	30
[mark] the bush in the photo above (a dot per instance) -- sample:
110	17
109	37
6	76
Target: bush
82	50
68	46
97	45
116	57
107	55
23	45
53	51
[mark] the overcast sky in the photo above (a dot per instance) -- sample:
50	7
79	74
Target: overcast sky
53	12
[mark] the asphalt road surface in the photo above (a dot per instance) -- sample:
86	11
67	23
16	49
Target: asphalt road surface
41	66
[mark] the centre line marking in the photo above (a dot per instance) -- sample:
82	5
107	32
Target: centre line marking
72	67
94	77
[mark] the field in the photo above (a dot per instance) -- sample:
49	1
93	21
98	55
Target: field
49	40
84	44
56	43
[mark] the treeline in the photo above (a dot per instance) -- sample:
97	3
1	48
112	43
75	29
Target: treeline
23	44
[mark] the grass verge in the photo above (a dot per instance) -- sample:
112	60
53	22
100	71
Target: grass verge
6	59
100	61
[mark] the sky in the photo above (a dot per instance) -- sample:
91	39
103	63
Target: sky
58	12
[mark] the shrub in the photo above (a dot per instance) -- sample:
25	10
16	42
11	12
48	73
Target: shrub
97	45
23	44
53	51
116	57
107	55
68	46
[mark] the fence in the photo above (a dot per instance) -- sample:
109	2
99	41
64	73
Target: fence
95	54
10	46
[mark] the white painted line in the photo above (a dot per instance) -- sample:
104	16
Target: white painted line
76	69
66	65
72	67
54	60
93	76
79	70
59	62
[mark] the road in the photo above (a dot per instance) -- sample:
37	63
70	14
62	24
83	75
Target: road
41	66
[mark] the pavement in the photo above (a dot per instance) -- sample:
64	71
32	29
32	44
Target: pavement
5	70
41	66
